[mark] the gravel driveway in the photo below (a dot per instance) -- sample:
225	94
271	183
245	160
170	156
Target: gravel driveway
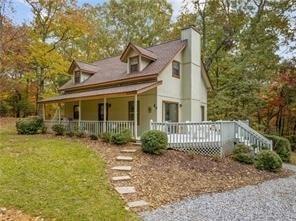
271	200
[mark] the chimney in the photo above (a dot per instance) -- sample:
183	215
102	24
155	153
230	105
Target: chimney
191	80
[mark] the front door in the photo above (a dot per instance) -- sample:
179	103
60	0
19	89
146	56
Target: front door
170	112
101	112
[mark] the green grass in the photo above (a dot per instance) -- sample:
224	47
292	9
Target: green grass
56	178
293	158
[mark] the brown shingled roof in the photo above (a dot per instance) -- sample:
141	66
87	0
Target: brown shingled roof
126	89
112	69
144	52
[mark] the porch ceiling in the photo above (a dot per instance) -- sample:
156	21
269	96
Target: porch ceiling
126	90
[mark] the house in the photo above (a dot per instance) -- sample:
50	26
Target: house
164	82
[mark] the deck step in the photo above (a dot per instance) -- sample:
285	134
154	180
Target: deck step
128	150
138	203
122	168
120	178
124	158
125	189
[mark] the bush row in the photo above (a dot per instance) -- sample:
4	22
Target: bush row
281	146
124	137
264	160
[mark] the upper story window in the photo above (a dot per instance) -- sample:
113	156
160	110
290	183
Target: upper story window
134	64
77	77
176	69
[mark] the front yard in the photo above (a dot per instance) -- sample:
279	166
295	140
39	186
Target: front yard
55	178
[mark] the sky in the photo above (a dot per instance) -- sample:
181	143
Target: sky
22	11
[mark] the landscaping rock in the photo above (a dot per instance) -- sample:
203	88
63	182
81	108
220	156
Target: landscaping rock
125	189
124	158
122	168
120	178
138	203
128	150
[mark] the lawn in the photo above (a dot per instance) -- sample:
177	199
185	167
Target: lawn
55	178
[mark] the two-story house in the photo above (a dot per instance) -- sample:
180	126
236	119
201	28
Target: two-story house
165	82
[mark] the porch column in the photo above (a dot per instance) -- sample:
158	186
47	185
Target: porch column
136	116
43	111
59	113
79	118
105	115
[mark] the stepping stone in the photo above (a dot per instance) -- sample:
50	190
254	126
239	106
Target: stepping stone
119	178
137	203
125	189
122	168
125	158
128	150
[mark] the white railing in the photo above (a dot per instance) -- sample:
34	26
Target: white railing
93	127
210	138
247	135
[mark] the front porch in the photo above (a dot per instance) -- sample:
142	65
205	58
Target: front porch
108	112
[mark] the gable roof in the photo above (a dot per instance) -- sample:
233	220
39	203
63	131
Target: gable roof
142	51
83	66
113	69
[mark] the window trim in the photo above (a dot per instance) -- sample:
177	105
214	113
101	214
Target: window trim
129	111
130	65
179	65
163	109
75	77
74	116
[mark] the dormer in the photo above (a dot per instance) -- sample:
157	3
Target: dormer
137	58
81	71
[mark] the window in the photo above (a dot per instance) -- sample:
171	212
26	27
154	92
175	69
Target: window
202	111
131	111
176	69
170	112
77	77
134	64
76	112
101	111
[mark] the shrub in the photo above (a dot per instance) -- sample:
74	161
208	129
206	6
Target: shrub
121	138
43	129
93	137
59	129
29	125
243	154
281	146
268	160
292	140
106	137
154	141
70	133
80	134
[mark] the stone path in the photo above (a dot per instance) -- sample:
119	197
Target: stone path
270	200
126	189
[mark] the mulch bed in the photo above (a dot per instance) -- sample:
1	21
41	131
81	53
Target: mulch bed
174	175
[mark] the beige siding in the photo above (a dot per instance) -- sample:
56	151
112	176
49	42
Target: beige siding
118	109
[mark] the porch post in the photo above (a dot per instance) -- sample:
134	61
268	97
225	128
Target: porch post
43	111
136	116
79	119
59	109
105	114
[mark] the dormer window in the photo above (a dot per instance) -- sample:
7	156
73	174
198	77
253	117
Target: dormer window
134	64
77	77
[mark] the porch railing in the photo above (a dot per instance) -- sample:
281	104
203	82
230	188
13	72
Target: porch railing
210	138
93	127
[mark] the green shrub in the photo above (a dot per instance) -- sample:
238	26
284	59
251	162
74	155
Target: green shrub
106	137
59	129
80	134
93	137
268	160
154	141
121	138
29	125
70	133
292	140
281	146
243	154
43	129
